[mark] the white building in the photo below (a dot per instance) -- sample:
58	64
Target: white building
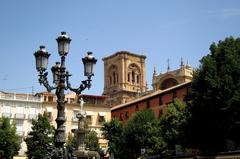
21	109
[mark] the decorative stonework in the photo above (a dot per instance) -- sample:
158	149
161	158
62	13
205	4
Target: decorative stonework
172	78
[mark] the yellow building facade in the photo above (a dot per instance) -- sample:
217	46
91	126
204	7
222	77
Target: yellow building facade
95	106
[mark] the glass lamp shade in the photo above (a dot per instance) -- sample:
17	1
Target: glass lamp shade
89	62
55	71
63	44
41	57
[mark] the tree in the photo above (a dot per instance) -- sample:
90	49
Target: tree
142	132
91	141
9	141
171	126
71	141
215	106
113	132
39	138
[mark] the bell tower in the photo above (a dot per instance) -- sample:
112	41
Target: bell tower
124	77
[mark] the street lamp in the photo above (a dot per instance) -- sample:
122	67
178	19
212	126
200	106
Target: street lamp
61	83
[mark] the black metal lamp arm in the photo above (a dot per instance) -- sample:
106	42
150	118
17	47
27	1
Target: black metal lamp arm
43	80
85	84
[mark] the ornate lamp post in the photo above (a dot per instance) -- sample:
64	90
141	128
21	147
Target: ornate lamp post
61	83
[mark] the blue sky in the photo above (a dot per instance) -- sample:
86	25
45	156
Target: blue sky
159	29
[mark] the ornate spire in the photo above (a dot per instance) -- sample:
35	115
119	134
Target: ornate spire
168	68
182	64
188	65
154	71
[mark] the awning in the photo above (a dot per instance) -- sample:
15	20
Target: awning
102	113
89	113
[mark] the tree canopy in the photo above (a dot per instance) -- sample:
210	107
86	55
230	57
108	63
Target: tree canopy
215	106
141	132
91	141
172	125
9	141
113	132
39	138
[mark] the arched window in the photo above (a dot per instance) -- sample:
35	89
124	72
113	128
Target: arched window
133	77
167	83
114	78
113	75
133	74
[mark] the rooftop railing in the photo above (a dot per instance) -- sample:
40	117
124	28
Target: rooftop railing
20	97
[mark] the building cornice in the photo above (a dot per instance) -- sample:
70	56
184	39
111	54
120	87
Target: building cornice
122	53
155	93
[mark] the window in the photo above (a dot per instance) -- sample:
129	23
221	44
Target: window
19	112
32	113
101	117
89	119
50	98
114	78
133	74
137	108
45	98
113	74
160	101
121	116
174	95
110	80
7	111
148	104
133	77
19	126
137	79
126	115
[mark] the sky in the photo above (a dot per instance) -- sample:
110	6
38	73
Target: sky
158	29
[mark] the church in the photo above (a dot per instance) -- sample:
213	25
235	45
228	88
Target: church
126	88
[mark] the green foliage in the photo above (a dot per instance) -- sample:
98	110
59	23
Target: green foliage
91	141
39	138
216	98
113	132
144	131
71	140
140	132
172	125
9	142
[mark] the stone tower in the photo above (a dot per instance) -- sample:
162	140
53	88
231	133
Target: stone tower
124	77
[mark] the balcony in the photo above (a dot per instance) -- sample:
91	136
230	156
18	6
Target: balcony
20	97
7	115
20	116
